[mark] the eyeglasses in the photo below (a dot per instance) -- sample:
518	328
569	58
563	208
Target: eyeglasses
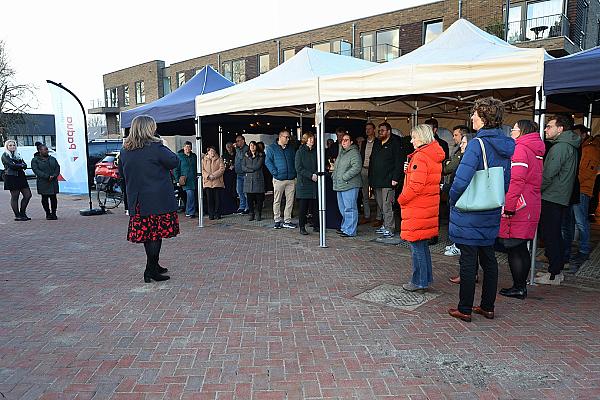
345	140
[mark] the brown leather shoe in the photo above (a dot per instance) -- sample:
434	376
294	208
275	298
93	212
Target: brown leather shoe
377	223
457	314
363	221
480	311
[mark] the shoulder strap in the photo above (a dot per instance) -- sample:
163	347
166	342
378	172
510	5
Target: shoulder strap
485	164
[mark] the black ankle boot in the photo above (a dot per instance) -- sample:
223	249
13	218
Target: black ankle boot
48	216
24	216
259	217
54	217
303	230
151	273
251	217
161	270
514	292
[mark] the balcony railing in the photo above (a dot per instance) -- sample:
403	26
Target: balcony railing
525	30
379	53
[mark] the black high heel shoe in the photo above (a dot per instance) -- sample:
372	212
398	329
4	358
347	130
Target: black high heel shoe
514	292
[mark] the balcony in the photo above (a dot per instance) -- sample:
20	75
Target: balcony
380	53
101	107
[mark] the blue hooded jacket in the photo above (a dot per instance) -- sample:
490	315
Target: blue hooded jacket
281	162
479	228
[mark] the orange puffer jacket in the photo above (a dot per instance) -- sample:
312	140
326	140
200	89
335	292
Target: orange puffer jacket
589	164
420	197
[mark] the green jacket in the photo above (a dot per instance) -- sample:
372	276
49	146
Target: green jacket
560	168
188	166
44	168
306	166
346	173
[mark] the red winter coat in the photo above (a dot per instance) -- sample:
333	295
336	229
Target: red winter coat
420	197
525	179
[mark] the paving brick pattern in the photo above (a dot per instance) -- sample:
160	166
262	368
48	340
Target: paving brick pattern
254	313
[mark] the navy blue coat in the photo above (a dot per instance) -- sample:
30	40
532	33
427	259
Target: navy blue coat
281	162
479	228
147	174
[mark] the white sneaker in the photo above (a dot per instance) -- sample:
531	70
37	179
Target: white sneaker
381	230
544	279
450	246
452	251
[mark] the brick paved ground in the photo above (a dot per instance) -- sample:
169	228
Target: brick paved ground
253	313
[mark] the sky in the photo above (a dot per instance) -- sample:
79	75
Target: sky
76	42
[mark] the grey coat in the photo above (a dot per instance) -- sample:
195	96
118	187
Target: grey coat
44	168
254	180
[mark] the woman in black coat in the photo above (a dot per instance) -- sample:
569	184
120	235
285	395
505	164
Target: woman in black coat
15	180
46	169
254	180
306	182
145	164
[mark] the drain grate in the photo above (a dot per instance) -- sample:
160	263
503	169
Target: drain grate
395	296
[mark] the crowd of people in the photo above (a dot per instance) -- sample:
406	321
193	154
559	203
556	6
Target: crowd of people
500	189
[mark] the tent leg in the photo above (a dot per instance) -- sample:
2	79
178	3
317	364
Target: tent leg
589	116
220	140
320	123
539	117
199	174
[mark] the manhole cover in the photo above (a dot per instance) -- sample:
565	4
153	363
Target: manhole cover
395	296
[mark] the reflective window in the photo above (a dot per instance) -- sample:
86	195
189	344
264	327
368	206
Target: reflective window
166	85
326	46
263	63
341	47
180	78
431	30
126	95
239	71
140	94
227	70
288	53
388	45
367	44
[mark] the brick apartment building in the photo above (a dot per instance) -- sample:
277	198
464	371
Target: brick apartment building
562	27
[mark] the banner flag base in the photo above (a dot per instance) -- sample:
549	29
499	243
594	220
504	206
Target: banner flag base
88	212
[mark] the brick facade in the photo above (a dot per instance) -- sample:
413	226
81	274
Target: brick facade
409	22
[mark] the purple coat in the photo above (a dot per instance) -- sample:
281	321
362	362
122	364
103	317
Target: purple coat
525	179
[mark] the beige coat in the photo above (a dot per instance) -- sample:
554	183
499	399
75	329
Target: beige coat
213	167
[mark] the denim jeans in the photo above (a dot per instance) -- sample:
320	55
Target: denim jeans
190	202
580	212
421	259
349	210
240	192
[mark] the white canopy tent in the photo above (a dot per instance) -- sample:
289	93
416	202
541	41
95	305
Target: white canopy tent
293	83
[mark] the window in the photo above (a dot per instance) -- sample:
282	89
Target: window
126	95
325	46
341	47
235	70
106	97
263	63
239	71
543	14
180	78
227	70
388	45
140	94
166	85
367	44
110	97
431	30
288	53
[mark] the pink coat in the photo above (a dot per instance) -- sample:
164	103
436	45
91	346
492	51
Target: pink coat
525	179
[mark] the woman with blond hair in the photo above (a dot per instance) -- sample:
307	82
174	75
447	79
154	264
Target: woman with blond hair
15	180
306	182
420	200
146	164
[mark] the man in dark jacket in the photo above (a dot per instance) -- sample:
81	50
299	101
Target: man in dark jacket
280	160
241	148
385	172
185	173
560	169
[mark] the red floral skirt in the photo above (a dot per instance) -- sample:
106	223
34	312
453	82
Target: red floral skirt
152	227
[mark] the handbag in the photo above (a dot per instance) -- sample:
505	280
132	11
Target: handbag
486	189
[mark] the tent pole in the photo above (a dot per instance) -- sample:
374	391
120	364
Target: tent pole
199	174
539	116
589	116
320	124
220	140
299	134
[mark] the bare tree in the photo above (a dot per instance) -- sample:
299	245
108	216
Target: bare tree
15	98
95	120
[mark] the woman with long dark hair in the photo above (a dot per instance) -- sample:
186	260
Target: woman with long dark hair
254	180
15	180
523	204
306	182
145	164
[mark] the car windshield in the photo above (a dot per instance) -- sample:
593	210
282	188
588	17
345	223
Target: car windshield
108	159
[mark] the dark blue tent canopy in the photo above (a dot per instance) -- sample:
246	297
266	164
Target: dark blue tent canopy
180	104
576	73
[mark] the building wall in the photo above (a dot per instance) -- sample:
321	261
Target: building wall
151	73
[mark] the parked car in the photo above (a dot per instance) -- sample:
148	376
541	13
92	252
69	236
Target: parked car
108	166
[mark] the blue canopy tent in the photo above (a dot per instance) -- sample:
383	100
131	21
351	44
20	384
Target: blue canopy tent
180	104
573	82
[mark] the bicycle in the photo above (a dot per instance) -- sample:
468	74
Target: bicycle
109	191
